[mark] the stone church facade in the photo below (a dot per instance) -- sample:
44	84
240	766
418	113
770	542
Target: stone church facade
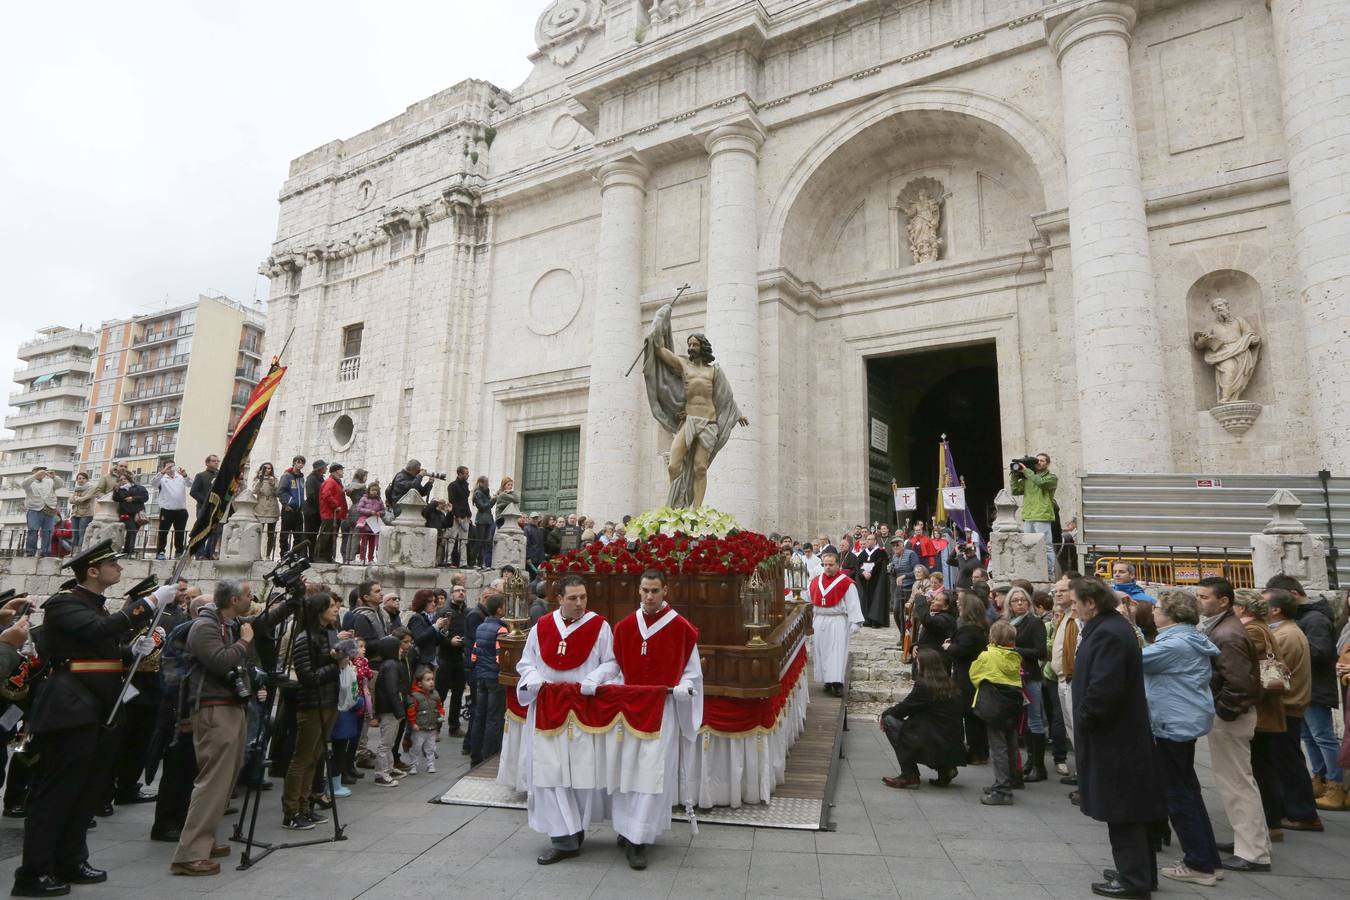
468	281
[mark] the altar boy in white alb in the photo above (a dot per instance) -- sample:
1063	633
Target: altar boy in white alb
836	614
566	775
658	646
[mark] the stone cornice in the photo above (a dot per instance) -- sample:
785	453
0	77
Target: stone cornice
746	24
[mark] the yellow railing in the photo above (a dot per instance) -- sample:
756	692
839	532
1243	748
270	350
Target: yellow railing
1168	570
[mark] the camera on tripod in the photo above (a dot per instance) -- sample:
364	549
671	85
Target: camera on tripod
289	574
1022	462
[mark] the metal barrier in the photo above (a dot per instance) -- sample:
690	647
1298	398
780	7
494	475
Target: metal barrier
1178	565
1217	513
347	548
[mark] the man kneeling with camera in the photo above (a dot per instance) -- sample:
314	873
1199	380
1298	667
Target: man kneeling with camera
218	687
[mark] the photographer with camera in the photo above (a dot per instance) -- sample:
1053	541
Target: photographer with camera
1035	483
218	688
410	478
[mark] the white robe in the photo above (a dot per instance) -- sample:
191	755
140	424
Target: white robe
559	811
643	817
829	644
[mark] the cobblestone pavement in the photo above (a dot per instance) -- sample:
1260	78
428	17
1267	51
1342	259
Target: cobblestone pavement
926	843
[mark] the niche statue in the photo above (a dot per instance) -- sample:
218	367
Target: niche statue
692	399
1230	346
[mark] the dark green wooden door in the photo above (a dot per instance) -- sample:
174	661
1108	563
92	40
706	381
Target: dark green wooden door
549	482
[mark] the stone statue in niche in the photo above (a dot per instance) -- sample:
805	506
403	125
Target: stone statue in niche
921	202
1231	347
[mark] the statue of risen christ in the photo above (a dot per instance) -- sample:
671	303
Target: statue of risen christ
690	398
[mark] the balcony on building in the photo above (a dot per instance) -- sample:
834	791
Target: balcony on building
55	338
47	386
141	423
159	365
55	364
154	336
62	440
27	415
144	393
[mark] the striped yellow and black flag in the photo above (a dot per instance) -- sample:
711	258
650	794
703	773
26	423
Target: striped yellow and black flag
226	483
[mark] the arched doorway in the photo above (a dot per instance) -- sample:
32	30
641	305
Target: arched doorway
921	396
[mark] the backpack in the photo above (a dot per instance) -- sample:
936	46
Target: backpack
177	665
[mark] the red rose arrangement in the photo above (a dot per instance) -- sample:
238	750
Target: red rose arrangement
739	553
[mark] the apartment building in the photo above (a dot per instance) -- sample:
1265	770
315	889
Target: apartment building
48	412
171	385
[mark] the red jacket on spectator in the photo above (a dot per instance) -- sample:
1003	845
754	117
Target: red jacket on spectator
332	500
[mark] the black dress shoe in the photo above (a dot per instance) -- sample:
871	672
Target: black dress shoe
39	886
140	796
167	836
637	856
16	812
1225	848
83	874
105	811
553	855
1071	780
1116	889
1238	864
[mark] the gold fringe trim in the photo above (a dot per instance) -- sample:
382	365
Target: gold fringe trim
574	722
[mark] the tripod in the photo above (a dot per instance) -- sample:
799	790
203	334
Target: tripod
253	772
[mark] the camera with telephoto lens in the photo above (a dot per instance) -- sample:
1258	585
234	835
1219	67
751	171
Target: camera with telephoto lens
439	476
240	681
1022	462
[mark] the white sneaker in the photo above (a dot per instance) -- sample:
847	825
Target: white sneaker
1183	872
1062	768
412	770
384	780
397	772
431	770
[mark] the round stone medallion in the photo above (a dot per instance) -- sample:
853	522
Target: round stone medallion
563	132
365	194
554	301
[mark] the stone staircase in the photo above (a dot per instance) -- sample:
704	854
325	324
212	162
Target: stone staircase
877	677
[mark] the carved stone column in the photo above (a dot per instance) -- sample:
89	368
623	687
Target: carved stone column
1116	336
1285	547
733	310
1013	553
614	404
106	526
408	543
241	535
1312	39
508	546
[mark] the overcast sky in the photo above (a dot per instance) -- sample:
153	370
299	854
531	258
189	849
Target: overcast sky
148	140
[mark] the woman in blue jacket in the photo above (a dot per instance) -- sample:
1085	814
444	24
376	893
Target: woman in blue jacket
1180	710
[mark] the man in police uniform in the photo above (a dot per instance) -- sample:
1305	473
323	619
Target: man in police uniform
137	719
86	646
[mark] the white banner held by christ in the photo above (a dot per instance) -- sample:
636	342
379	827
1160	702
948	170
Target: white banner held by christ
953	498
905	497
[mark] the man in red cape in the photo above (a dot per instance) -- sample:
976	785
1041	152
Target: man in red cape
568	646
658	646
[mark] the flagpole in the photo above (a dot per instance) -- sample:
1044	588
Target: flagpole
212	513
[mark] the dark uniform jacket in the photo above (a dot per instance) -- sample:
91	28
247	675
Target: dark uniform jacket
76	627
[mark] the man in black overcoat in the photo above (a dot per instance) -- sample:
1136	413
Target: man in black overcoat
87	648
1113	740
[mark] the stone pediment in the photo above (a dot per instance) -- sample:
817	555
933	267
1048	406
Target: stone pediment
565	27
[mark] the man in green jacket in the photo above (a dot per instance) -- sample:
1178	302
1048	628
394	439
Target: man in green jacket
1037	486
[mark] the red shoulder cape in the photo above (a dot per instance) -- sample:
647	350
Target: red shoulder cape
557	653
667	651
